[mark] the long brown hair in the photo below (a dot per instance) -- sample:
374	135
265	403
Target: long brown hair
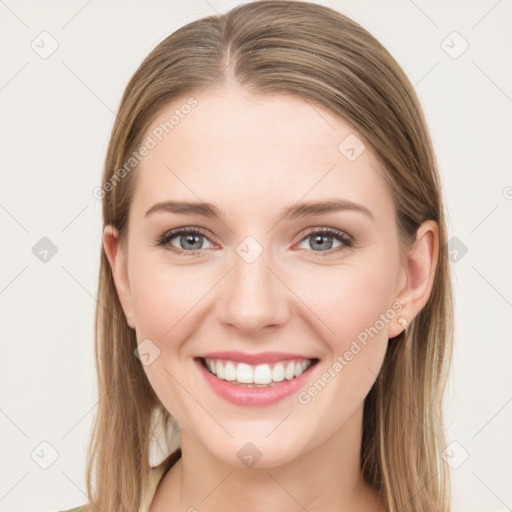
319	55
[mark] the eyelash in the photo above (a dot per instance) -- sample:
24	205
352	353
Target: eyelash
347	240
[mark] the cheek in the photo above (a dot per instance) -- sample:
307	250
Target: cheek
165	299
167	303
352	302
353	311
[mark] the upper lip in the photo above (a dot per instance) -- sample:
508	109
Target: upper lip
253	359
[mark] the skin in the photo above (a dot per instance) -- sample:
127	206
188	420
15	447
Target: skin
251	156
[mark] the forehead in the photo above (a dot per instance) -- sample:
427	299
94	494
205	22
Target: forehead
235	147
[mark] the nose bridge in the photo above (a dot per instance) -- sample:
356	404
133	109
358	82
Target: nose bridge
253	297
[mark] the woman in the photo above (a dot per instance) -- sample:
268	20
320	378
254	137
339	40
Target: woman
274	299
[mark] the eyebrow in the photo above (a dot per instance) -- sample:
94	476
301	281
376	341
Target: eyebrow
299	210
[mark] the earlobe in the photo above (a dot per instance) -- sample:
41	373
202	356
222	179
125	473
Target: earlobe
420	269
119	270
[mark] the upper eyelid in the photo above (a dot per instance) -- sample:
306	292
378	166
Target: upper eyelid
178	231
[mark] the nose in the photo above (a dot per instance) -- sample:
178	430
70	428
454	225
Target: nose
253	296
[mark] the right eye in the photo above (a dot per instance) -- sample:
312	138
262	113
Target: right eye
188	239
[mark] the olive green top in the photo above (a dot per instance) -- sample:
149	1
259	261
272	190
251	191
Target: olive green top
156	475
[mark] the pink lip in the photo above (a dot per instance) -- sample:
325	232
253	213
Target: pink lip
253	397
261	358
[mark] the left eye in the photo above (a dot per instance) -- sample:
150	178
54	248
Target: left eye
323	240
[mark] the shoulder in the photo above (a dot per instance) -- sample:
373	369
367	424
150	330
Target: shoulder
156	475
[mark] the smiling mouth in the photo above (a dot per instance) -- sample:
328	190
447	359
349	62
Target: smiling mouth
257	376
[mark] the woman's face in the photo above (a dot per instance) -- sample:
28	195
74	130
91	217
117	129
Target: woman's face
255	280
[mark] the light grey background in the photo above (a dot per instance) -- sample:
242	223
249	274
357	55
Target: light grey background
56	117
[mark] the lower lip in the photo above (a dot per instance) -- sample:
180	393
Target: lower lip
252	397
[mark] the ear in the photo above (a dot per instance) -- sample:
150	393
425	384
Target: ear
418	273
119	268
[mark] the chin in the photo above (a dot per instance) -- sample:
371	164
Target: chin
257	451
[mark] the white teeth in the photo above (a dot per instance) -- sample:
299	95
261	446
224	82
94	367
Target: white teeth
262	374
230	371
244	373
278	372
258	374
219	370
289	372
299	368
